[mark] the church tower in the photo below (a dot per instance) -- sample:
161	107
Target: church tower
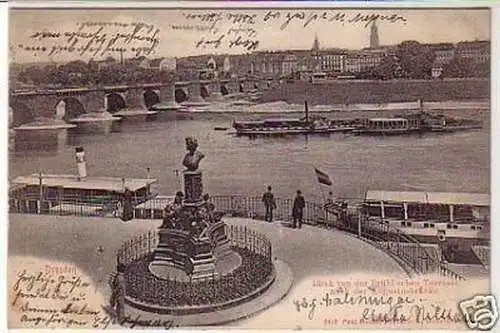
315	48
374	42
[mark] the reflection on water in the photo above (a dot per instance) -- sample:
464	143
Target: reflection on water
238	165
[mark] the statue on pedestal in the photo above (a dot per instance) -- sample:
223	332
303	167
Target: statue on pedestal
191	229
193	157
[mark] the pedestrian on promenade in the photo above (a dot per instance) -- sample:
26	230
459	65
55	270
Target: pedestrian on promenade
298	210
128	206
117	299
329	207
269	203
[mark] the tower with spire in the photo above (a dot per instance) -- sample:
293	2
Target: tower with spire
315	48
374	42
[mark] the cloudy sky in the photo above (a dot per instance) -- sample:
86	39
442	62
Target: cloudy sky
343	28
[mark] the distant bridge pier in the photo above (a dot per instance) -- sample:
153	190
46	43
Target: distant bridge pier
134	99
194	95
93	101
167	94
224	87
211	90
233	86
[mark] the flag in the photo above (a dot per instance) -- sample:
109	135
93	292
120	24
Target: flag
323	177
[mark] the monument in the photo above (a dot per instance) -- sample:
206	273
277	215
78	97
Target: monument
194	263
192	236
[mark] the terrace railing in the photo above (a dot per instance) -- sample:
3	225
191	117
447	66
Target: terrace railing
404	247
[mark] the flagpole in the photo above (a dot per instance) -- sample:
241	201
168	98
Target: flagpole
322	194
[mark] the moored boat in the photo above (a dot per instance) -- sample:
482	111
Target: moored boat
286	126
420	122
455	222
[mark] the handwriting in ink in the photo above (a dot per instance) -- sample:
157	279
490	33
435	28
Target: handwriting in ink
47	300
248	44
348	299
205	42
207	17
369	18
98	38
416	313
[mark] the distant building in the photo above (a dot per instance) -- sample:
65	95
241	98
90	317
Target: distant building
168	64
154	64
108	62
211	64
162	64
315	48
288	65
362	61
139	62
332	61
477	51
226	67
374	41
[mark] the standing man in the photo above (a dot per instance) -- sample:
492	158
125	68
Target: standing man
269	203
298	209
329	207
118	292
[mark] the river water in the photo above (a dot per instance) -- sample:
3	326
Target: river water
458	162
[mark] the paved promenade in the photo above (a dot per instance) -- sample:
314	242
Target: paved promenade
309	252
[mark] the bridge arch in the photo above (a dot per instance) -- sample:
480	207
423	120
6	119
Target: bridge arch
151	98
114	102
224	90
181	95
204	91
68	108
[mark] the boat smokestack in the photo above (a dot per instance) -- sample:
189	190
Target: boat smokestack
307	111
81	164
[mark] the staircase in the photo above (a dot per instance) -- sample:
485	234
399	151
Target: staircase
483	254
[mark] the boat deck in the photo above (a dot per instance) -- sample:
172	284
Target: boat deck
90	183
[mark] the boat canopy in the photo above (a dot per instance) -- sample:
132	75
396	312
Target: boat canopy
90	183
473	199
282	120
388	119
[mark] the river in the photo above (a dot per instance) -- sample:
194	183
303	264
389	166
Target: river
458	162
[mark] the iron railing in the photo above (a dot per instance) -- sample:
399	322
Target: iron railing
390	239
256	268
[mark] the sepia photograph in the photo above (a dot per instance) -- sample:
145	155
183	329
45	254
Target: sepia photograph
240	167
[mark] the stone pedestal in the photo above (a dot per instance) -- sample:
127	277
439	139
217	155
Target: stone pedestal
192	236
193	187
178	249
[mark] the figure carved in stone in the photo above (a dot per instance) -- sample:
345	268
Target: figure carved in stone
193	157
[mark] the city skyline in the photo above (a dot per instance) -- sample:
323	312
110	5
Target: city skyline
425	26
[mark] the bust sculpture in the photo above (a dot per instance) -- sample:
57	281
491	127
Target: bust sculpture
193	157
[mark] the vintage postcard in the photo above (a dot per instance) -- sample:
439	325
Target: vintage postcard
249	167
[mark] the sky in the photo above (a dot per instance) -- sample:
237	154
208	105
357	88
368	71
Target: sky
337	28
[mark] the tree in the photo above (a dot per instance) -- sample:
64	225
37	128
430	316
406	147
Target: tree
458	67
482	70
76	66
416	59
388	68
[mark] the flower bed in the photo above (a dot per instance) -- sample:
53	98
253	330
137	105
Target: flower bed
254	272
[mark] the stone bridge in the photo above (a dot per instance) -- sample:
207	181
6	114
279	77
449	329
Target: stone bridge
26	106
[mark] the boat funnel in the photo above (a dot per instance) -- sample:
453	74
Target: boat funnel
306	110
81	165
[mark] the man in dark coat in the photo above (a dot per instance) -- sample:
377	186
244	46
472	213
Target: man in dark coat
298	209
128	206
269	203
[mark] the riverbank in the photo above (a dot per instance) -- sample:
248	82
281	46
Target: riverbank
358	91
